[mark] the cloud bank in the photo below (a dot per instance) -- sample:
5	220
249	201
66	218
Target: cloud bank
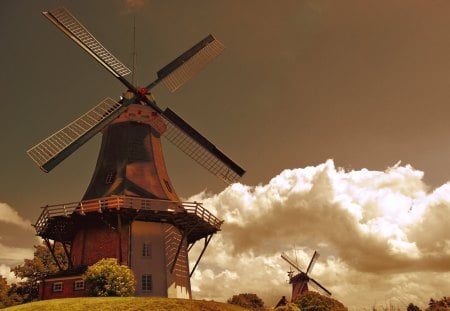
382	235
11	255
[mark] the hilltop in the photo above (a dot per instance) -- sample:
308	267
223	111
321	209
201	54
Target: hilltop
124	304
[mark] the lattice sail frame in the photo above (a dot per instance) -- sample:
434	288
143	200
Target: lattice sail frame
81	36
199	148
50	147
183	68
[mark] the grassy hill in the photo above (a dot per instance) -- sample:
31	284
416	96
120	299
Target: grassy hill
124	304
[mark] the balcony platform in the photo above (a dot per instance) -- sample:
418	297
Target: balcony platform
60	222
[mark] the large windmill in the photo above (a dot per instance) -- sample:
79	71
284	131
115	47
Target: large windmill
130	210
301	280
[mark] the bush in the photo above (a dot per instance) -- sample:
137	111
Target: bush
312	301
108	278
288	307
251	301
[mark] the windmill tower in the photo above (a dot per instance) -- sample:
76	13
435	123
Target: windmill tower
301	280
130	210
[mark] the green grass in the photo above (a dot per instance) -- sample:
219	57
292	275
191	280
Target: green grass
124	304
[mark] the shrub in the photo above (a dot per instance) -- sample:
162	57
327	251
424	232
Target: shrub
288	307
108	278
247	300
312	301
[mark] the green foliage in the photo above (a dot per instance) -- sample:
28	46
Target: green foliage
108	278
289	307
247	300
312	301
412	307
439	305
36	269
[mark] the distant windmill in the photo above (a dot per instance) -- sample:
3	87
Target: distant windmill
130	210
301	280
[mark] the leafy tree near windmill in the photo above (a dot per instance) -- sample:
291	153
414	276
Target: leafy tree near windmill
313	301
5	301
247	300
35	269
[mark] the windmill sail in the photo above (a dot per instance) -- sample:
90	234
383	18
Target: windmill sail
291	262
68	24
319	287
199	148
52	150
184	67
312	262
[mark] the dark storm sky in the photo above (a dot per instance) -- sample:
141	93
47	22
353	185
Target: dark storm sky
365	83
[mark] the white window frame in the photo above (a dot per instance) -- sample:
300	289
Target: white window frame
78	285
57	287
150	277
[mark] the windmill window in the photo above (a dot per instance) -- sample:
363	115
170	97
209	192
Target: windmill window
109	178
168	186
146	283
78	285
147	250
57	287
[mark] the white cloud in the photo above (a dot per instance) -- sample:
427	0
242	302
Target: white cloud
374	229
5	271
11	216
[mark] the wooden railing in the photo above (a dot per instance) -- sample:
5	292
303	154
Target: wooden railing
124	202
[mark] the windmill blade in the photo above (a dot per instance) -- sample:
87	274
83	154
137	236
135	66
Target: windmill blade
68	24
312	262
290	261
183	68
54	149
319	287
201	150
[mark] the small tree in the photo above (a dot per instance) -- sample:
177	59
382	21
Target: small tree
247	300
36	269
412	307
5	301
288	307
313	301
108	278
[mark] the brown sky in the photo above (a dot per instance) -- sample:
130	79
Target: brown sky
362	82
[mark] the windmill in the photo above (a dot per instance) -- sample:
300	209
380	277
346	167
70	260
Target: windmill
130	210
301	280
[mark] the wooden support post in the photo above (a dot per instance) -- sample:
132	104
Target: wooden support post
69	259
52	251
207	239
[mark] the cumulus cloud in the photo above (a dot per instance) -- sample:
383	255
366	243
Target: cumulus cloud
376	231
11	216
10	253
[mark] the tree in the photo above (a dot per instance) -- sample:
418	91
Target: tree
36	269
5	301
247	300
439	305
108	278
412	307
313	301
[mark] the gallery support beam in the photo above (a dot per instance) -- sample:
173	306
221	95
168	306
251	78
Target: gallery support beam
207	239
